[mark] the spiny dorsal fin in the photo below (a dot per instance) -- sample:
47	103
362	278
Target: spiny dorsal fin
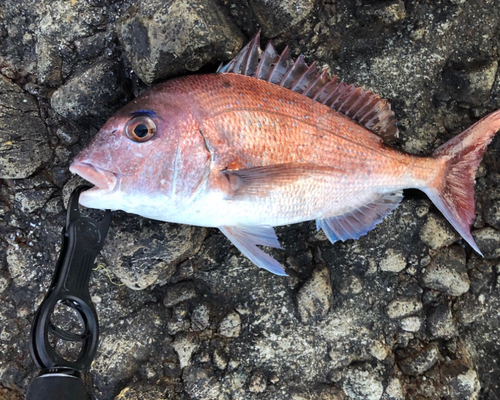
368	109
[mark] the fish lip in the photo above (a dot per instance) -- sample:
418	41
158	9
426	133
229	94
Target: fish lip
104	181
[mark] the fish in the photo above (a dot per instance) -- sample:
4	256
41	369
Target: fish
268	141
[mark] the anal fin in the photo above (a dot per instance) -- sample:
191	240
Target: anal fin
246	239
359	222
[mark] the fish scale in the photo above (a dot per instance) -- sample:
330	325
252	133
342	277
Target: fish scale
271	141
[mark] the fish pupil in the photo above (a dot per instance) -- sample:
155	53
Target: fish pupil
141	130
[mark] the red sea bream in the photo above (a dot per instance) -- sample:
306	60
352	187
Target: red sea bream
269	141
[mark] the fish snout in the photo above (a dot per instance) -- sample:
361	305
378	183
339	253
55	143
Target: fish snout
100	178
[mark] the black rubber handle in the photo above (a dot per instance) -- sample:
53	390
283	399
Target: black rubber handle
83	238
57	384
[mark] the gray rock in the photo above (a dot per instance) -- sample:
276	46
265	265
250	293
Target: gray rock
420	360
143	252
447	272
471	83
144	392
230	326
440	323
437	232
178	293
315	296
162	39
362	384
200	383
465	386
488	241
220	359
49	62
386	12
492	215
23	135
93	95
394	390
278	16
468	308
403	307
258	383
411	324
200	319
185	345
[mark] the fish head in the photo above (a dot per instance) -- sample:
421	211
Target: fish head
131	160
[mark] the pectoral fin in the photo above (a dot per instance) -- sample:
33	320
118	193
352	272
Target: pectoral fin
258	181
246	239
359	222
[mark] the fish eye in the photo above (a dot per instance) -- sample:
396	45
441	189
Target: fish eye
140	128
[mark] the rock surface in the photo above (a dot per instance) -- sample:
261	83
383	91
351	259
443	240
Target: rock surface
407	311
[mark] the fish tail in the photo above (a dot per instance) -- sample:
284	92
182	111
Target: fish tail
453	191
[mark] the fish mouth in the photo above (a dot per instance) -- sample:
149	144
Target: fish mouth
103	180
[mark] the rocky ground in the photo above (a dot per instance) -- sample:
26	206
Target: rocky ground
406	312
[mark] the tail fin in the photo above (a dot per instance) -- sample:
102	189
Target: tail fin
454	195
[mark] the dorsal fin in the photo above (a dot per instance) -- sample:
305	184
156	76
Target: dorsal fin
368	109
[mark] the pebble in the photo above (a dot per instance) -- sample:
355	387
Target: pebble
411	324
257	383
465	386
492	215
440	323
394	261
437	232
230	326
185	345
420	361
395	389
447	272
403	307
201	384
315	296
220	359
363	385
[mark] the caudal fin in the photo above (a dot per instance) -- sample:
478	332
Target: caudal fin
454	194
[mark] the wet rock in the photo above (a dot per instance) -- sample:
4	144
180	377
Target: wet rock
440	323
257	383
200	318
93	95
278	16
393	261
23	135
178	293
437	232
420	360
185	345
230	326
143	252
411	324
201	384
447	272
362	384
163	39
488	241
403	307
471	83
315	296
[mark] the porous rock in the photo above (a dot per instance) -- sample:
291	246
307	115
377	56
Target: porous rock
447	272
393	261
230	326
165	38
437	232
403	307
185	345
362	384
201	383
257	383
279	15
315	296
23	135
92	95
440	322
420	360
488	240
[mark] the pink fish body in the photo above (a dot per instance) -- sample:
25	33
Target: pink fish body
267	142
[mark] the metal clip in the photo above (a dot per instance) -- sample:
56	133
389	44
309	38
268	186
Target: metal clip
83	238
